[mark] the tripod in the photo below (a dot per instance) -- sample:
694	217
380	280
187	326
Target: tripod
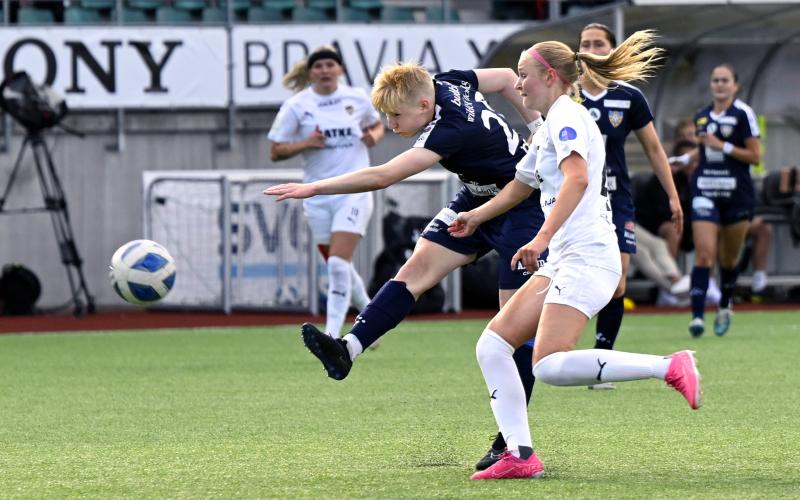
56	204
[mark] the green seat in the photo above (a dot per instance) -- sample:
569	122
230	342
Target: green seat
397	14
260	14
96	4
215	15
310	15
135	16
435	13
278	4
169	15
189	4
322	4
366	4
237	4
355	15
145	4
80	15
32	15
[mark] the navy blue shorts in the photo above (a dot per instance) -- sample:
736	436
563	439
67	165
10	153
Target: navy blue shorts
505	234
624	216
722	211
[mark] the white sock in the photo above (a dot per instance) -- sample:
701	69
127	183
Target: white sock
593	366
338	294
496	359
358	295
354	347
759	281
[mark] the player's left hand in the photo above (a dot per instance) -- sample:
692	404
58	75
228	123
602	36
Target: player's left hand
464	225
677	214
291	190
529	254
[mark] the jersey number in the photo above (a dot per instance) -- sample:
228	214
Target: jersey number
488	114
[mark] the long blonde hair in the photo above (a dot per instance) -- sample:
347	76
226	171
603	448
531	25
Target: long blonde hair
397	84
297	78
634	59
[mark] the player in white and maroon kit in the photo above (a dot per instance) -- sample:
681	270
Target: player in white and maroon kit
331	125
566	162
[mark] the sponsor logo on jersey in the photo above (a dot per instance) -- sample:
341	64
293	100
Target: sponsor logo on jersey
349	109
329	102
567	134
615	117
702	120
617	103
711	128
594	113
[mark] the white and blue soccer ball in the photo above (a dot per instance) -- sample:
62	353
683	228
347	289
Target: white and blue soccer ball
142	272
287	296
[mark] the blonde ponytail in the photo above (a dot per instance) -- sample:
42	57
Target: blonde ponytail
634	59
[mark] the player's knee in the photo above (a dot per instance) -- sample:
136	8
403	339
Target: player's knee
620	291
550	368
491	346
338	269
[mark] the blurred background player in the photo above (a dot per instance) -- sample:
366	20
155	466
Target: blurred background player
619	108
566	162
331	125
457	128
723	197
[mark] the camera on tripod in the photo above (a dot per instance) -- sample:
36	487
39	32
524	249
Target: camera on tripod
35	107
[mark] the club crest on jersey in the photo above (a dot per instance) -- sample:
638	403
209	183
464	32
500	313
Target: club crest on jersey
726	130
349	109
615	117
594	113
567	134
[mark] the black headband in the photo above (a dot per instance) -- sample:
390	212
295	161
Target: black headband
323	54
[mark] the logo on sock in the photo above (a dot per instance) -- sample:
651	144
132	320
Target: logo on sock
493	393
359	319
602	365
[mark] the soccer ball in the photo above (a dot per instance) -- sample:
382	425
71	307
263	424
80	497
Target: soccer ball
142	272
287	296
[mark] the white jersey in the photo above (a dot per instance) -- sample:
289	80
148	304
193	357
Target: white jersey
567	128
341	116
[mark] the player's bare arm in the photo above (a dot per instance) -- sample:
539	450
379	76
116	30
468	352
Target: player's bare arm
658	161
285	150
503	81
373	134
510	196
398	168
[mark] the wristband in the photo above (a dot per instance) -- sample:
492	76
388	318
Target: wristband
535	124
679	160
727	148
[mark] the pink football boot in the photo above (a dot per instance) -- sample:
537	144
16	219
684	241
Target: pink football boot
684	377
511	467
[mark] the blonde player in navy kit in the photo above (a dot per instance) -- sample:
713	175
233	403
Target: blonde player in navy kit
331	125
567	162
618	109
723	198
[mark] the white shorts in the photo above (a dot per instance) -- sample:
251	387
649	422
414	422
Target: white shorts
348	213
584	280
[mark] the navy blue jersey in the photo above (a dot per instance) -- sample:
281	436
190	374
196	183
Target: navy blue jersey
474	141
617	111
719	175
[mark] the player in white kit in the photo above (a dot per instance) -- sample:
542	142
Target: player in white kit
566	162
331	125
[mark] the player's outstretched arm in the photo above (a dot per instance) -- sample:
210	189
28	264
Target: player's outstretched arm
658	161
510	196
503	81
398	168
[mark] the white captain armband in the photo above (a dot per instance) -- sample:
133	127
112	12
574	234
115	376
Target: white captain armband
535	124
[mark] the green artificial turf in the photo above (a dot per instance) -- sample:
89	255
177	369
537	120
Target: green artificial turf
249	413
